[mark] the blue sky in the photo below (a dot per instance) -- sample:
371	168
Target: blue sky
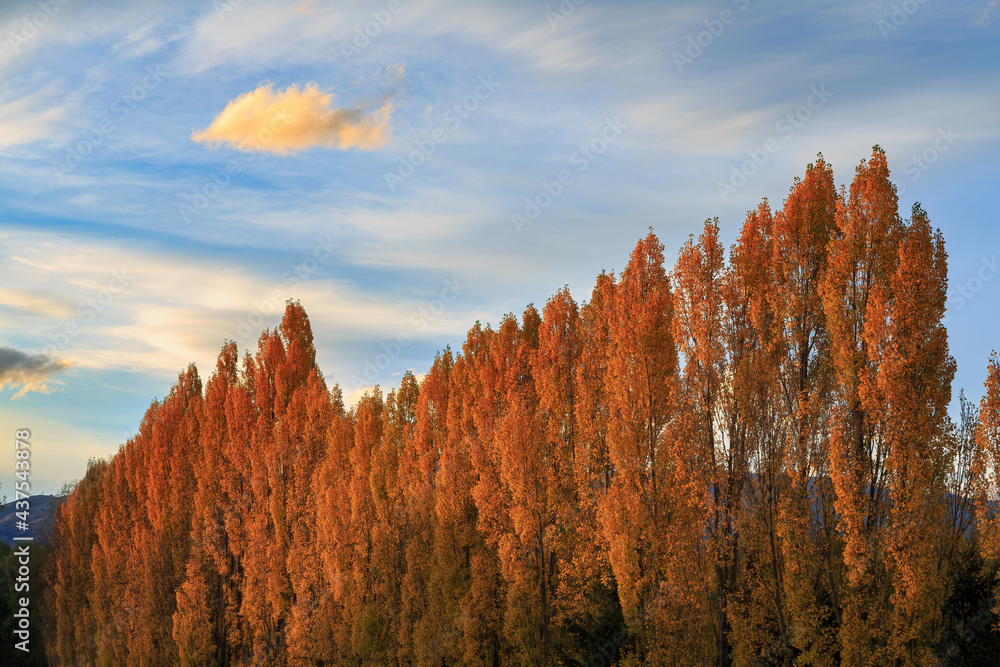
130	249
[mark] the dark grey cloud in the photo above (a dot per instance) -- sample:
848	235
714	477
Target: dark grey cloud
28	372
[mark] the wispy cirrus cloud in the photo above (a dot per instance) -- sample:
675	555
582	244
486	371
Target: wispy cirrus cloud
984	20
31	117
35	303
296	119
148	39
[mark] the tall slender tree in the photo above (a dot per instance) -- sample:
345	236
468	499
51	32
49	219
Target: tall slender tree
914	381
423	608
813	575
986	470
636	512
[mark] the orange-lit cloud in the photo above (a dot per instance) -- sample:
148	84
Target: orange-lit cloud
29	372
296	119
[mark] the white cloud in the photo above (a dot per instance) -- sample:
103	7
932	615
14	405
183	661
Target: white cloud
984	19
260	36
30	118
173	309
35	302
150	38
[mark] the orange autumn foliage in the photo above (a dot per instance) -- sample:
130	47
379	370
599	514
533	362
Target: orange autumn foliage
743	459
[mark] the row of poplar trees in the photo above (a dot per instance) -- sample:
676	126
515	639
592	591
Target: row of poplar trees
745	461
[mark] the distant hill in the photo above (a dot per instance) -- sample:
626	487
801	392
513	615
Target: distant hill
39	509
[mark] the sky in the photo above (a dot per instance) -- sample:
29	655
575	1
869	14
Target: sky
172	172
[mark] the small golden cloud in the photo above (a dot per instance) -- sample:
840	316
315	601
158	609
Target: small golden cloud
296	119
305	7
